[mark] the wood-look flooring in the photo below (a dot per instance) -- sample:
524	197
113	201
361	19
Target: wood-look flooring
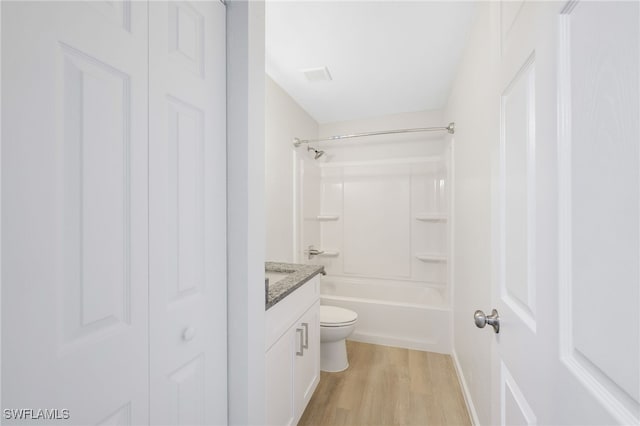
389	386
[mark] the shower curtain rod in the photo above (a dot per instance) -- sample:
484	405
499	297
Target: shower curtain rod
450	128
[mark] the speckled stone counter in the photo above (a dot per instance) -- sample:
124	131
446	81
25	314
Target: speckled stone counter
298	275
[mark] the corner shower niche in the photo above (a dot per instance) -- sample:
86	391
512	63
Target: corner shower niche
384	232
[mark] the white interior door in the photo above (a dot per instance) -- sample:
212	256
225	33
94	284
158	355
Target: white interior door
567	241
74	211
187	169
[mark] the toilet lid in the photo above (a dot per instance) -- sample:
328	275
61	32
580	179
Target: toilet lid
333	316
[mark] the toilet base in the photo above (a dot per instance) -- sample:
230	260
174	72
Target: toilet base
333	356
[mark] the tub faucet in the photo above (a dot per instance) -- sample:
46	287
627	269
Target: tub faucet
312	252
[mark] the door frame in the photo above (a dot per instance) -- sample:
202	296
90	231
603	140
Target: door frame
246	369
1	403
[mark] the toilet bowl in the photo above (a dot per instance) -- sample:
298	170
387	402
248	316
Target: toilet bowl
336	324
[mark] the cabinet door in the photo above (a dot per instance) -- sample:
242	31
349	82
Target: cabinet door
279	383
307	366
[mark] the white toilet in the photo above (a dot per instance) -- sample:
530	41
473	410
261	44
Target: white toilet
336	324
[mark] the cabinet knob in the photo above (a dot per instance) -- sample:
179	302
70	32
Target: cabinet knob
188	334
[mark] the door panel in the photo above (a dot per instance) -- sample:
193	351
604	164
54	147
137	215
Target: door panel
74	217
518	286
187	222
96	220
515	407
516	384
187	392
569	126
599	172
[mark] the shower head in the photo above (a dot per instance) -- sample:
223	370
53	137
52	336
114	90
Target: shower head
318	154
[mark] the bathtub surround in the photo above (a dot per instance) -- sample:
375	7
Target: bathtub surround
383	223
391	240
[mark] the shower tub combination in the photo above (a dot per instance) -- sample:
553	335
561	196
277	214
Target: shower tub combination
380	227
393	314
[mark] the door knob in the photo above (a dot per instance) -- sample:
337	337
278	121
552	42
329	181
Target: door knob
493	320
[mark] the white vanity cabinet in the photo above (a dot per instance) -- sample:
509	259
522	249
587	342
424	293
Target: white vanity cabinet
292	353
279	383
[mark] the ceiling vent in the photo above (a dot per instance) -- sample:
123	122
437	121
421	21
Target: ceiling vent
315	75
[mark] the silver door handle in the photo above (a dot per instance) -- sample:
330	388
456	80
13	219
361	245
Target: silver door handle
306	335
301	351
493	320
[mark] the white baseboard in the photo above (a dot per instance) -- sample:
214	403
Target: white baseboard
378	339
465	389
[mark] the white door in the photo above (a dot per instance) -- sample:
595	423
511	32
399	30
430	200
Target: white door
74	211
187	169
567	198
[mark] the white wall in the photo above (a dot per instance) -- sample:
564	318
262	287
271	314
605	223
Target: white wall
285	120
473	105
245	201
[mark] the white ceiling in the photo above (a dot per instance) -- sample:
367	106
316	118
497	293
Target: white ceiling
384	56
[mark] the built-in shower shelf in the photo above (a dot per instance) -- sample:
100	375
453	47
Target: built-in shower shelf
432	217
327	217
431	257
328	253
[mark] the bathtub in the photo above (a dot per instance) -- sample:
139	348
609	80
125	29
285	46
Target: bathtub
393	313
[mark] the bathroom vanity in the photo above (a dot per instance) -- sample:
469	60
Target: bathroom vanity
292	331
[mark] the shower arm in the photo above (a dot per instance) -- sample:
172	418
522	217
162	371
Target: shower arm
450	129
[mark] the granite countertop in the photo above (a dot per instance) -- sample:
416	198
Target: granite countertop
298	275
